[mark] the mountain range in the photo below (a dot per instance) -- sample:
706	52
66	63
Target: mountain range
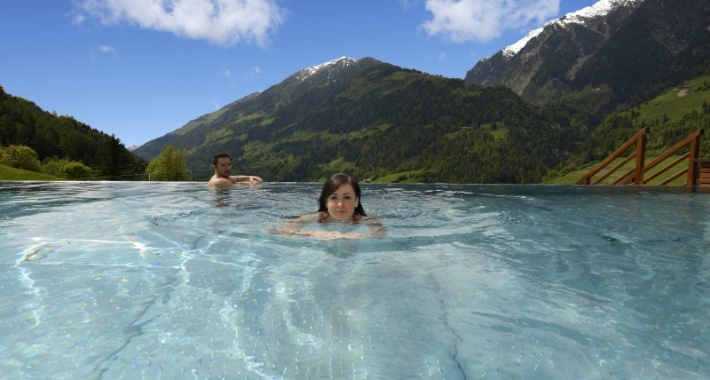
564	96
516	115
374	119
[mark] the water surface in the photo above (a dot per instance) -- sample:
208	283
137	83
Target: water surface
145	280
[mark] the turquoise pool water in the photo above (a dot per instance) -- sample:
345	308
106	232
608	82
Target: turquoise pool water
145	280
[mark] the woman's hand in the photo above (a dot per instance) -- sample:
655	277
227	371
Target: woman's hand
327	235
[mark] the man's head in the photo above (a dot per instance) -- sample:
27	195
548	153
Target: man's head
222	164
216	157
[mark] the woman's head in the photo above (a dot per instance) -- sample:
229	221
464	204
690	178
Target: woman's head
340	197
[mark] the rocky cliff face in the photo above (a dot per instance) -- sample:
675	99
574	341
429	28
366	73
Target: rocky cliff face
542	66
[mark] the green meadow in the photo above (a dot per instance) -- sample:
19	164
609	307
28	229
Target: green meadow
11	174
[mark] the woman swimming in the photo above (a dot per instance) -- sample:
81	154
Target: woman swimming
339	202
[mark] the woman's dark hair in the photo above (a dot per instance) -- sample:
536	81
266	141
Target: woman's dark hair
333	184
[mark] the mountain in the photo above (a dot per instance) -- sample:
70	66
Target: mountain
547	57
615	53
330	76
374	119
563	96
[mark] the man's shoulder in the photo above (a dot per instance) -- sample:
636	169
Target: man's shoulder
219	183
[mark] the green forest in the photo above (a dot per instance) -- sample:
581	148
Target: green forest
392	124
62	146
384	121
388	125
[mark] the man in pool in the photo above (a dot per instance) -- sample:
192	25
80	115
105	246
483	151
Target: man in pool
222	178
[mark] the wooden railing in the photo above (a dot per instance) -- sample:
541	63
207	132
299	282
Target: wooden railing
639	142
703	174
690	169
637	175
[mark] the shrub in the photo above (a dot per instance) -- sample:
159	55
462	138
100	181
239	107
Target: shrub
77	171
54	165
20	157
63	167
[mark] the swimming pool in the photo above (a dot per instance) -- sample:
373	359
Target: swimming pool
147	280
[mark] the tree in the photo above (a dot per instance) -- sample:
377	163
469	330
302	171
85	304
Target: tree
63	167
77	171
113	160
21	157
170	165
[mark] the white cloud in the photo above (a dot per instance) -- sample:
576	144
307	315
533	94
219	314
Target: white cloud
107	49
406	4
253	72
483	20
223	22
77	18
227	73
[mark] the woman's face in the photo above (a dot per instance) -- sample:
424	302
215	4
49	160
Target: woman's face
341	204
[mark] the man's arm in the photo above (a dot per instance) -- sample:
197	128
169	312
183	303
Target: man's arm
246	178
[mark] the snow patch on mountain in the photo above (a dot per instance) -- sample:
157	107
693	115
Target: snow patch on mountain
342	62
600	8
513	49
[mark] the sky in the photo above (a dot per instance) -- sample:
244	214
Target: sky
140	69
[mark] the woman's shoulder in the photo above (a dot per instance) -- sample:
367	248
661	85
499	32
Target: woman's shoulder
310	217
364	218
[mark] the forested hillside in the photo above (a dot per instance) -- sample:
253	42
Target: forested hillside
381	123
24	123
386	120
670	117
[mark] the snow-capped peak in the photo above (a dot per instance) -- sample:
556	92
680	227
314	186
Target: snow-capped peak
307	72
513	49
600	8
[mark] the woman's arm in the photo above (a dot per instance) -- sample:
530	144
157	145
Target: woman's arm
377	230
294	227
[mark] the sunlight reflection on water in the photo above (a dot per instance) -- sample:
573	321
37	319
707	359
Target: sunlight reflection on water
170	280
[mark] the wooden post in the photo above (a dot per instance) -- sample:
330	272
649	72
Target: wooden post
693	153
640	158
702	176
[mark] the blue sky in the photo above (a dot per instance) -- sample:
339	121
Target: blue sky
139	69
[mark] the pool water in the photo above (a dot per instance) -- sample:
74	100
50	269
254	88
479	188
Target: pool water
147	280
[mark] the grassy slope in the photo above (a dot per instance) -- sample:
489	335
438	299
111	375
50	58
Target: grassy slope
11	174
573	177
676	102
671	105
